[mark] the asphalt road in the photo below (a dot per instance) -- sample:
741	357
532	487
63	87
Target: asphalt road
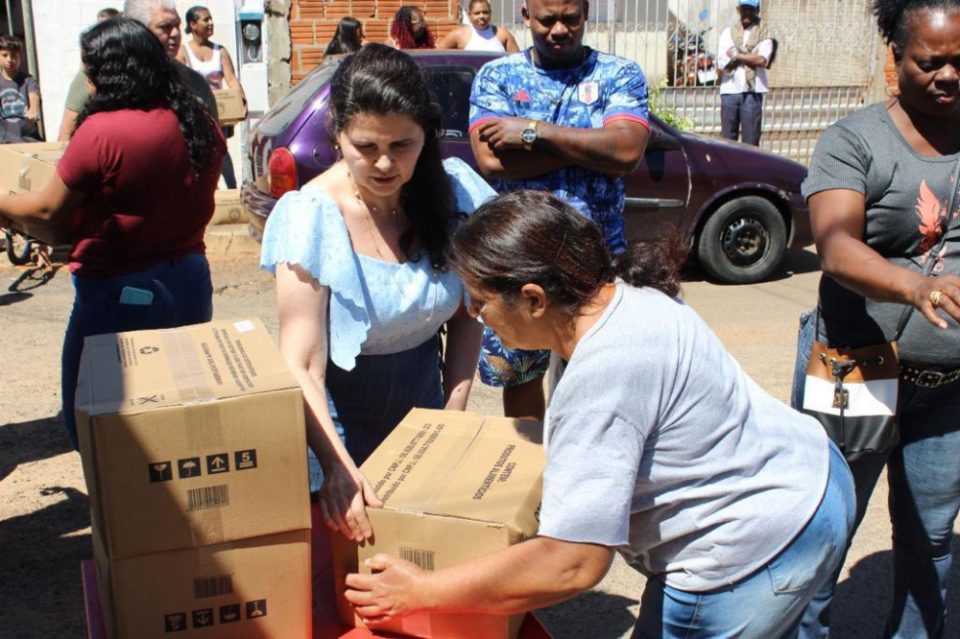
44	522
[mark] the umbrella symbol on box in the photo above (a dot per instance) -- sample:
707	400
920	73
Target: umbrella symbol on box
189	467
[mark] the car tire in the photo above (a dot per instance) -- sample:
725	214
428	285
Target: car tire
743	241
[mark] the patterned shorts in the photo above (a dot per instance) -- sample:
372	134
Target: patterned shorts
500	366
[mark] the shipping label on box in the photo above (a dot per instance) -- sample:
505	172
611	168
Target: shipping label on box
230	106
249	589
191	436
455	486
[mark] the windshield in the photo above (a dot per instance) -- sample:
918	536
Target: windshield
294	102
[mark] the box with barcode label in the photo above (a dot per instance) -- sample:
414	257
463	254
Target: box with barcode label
455	486
191	436
246	589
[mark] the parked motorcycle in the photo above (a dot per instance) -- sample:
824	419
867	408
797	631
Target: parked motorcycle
694	66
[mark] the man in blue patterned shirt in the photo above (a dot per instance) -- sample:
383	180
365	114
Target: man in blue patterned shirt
564	118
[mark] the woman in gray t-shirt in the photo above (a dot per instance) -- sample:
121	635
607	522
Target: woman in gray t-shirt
734	506
879	187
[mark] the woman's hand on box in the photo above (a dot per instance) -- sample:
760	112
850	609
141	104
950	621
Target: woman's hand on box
343	498
388	593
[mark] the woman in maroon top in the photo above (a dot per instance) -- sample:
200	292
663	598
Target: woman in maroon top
135	191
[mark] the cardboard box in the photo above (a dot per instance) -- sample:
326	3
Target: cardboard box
230	106
29	166
190	436
228	209
455	486
248	589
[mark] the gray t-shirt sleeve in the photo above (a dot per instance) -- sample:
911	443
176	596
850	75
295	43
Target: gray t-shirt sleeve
840	161
78	93
590	478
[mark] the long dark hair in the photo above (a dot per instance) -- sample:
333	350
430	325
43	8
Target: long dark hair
380	80
347	38
130	70
402	30
893	18
533	237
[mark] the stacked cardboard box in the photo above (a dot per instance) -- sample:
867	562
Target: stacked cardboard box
455	486
194	454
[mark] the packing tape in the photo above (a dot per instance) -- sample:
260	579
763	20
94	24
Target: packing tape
440	478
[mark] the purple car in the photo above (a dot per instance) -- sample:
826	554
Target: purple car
739	206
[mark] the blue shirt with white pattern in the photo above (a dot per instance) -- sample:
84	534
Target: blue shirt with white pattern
602	89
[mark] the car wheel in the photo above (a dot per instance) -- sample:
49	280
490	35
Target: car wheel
742	241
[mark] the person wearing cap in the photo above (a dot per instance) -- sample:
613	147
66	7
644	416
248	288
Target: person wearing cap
746	50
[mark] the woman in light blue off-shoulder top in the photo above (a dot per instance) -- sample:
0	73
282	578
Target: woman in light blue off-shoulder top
363	286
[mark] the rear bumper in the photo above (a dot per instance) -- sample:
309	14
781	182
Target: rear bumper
802	235
257	204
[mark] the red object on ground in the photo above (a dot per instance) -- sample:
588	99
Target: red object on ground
531	628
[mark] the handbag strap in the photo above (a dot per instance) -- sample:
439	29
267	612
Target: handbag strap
928	267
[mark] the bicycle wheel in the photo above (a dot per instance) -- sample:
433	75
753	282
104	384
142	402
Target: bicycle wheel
19	247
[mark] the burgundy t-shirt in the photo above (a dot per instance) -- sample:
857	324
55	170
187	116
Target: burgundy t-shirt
143	204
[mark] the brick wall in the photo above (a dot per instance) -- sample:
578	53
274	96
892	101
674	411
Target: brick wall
313	22
891	73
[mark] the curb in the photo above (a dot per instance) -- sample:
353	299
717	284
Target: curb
231	240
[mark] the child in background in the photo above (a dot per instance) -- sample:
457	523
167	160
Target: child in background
19	95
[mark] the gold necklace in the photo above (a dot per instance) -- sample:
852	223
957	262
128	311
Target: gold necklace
368	218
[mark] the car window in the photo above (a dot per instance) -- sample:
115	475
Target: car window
451	86
292	104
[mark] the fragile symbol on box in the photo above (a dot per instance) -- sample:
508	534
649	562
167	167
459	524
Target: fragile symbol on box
245	459
230	614
160	471
203	618
175	622
256	608
219	463
189	467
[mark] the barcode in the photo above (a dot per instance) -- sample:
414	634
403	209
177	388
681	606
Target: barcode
212	586
207	497
423	558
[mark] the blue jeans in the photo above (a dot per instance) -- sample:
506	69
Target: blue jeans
741	116
182	295
768	603
369	401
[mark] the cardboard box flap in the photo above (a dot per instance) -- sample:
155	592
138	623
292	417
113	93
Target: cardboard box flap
29	166
433	459
146	370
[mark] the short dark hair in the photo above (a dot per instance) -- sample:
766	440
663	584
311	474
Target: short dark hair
381	80
11	43
533	237
895	18
108	13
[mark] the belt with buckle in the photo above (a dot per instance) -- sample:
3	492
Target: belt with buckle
928	378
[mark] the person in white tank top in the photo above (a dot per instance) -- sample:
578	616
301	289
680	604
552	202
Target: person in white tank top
479	34
212	62
203	55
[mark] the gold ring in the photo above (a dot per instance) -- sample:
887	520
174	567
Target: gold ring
935	297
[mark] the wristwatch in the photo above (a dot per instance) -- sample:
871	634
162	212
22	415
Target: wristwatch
529	135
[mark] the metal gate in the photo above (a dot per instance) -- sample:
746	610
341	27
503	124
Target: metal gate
826	63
